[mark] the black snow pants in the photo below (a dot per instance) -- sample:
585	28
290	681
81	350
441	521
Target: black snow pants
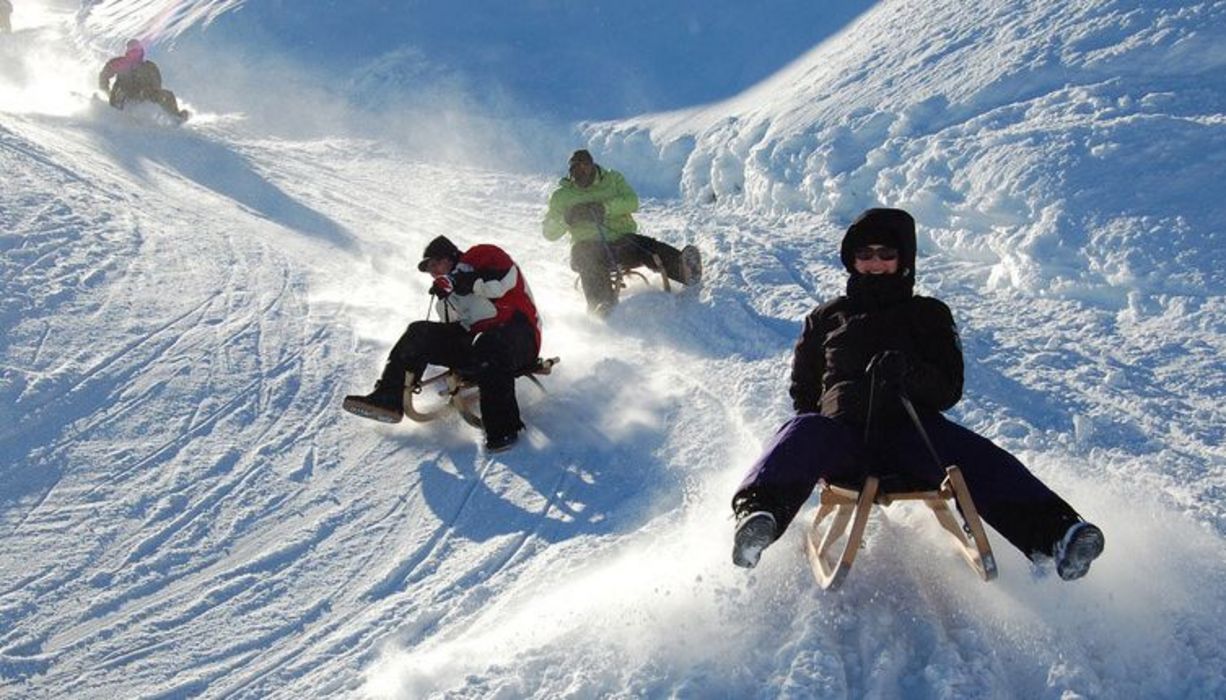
810	447
494	358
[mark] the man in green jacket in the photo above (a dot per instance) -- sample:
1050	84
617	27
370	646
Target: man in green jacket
594	205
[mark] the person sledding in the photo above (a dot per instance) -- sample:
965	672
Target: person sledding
137	80
6	15
595	206
488	329
881	329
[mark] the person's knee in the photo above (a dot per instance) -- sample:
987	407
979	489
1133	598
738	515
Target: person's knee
491	355
587	259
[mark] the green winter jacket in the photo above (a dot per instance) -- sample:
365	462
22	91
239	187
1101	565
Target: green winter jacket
610	189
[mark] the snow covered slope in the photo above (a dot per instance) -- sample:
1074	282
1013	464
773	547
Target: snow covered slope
186	512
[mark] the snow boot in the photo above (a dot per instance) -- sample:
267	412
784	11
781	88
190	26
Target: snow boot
385	404
501	443
691	266
1080	546
754	533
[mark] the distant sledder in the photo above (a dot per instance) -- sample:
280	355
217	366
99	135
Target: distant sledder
137	80
488	335
6	17
595	206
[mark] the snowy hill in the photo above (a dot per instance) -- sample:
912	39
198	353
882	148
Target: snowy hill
186	512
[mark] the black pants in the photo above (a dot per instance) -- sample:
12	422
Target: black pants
591	261
493	358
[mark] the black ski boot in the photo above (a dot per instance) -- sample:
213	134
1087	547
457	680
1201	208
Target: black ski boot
385	404
754	532
501	443
1080	546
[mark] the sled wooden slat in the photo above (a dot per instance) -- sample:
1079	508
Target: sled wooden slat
619	274
460	394
842	506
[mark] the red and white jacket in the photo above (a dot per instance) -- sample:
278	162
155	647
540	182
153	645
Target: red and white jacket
499	291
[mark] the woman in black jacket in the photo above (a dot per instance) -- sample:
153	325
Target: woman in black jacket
909	343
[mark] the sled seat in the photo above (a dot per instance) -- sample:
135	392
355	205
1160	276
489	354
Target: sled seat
618	274
459	391
850	504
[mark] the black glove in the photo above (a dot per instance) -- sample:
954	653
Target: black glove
443	286
585	211
888	367
462	282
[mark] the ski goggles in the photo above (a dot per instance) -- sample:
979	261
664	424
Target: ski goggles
883	253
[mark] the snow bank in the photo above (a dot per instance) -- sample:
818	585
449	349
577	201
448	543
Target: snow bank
1012	132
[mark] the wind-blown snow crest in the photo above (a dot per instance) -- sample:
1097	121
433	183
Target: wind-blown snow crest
151	21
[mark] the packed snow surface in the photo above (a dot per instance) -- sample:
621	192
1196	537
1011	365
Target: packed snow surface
185	510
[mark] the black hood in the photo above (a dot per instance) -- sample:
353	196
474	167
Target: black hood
891	227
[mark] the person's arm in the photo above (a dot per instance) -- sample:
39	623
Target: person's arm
108	72
623	199
808	366
935	374
554	226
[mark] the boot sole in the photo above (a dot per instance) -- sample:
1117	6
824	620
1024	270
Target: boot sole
382	415
1086	546
751	539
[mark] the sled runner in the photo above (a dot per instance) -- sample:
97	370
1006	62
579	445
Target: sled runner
457	392
851	504
618	274
847	504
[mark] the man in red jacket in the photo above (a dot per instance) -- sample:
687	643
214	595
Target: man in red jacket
489	327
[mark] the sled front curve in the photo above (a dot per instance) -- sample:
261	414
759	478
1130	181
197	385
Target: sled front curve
458	393
618	275
841	505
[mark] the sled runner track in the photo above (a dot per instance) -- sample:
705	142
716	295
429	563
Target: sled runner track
8	140
403	574
98	369
258	673
524	536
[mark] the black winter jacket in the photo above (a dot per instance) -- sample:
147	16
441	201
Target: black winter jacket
841	336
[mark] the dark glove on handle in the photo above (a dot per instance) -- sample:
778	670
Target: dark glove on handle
595	212
585	211
888	367
462	282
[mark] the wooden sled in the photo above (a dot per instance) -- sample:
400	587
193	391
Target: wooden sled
619	274
459	393
843	506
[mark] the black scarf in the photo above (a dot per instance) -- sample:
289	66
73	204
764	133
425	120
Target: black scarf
873	292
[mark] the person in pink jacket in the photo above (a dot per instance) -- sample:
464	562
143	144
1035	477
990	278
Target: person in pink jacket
137	79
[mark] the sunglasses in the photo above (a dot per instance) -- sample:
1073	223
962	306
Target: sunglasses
886	254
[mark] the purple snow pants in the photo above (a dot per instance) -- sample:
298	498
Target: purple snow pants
810	447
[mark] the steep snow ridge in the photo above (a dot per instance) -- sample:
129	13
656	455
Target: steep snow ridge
1012	131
